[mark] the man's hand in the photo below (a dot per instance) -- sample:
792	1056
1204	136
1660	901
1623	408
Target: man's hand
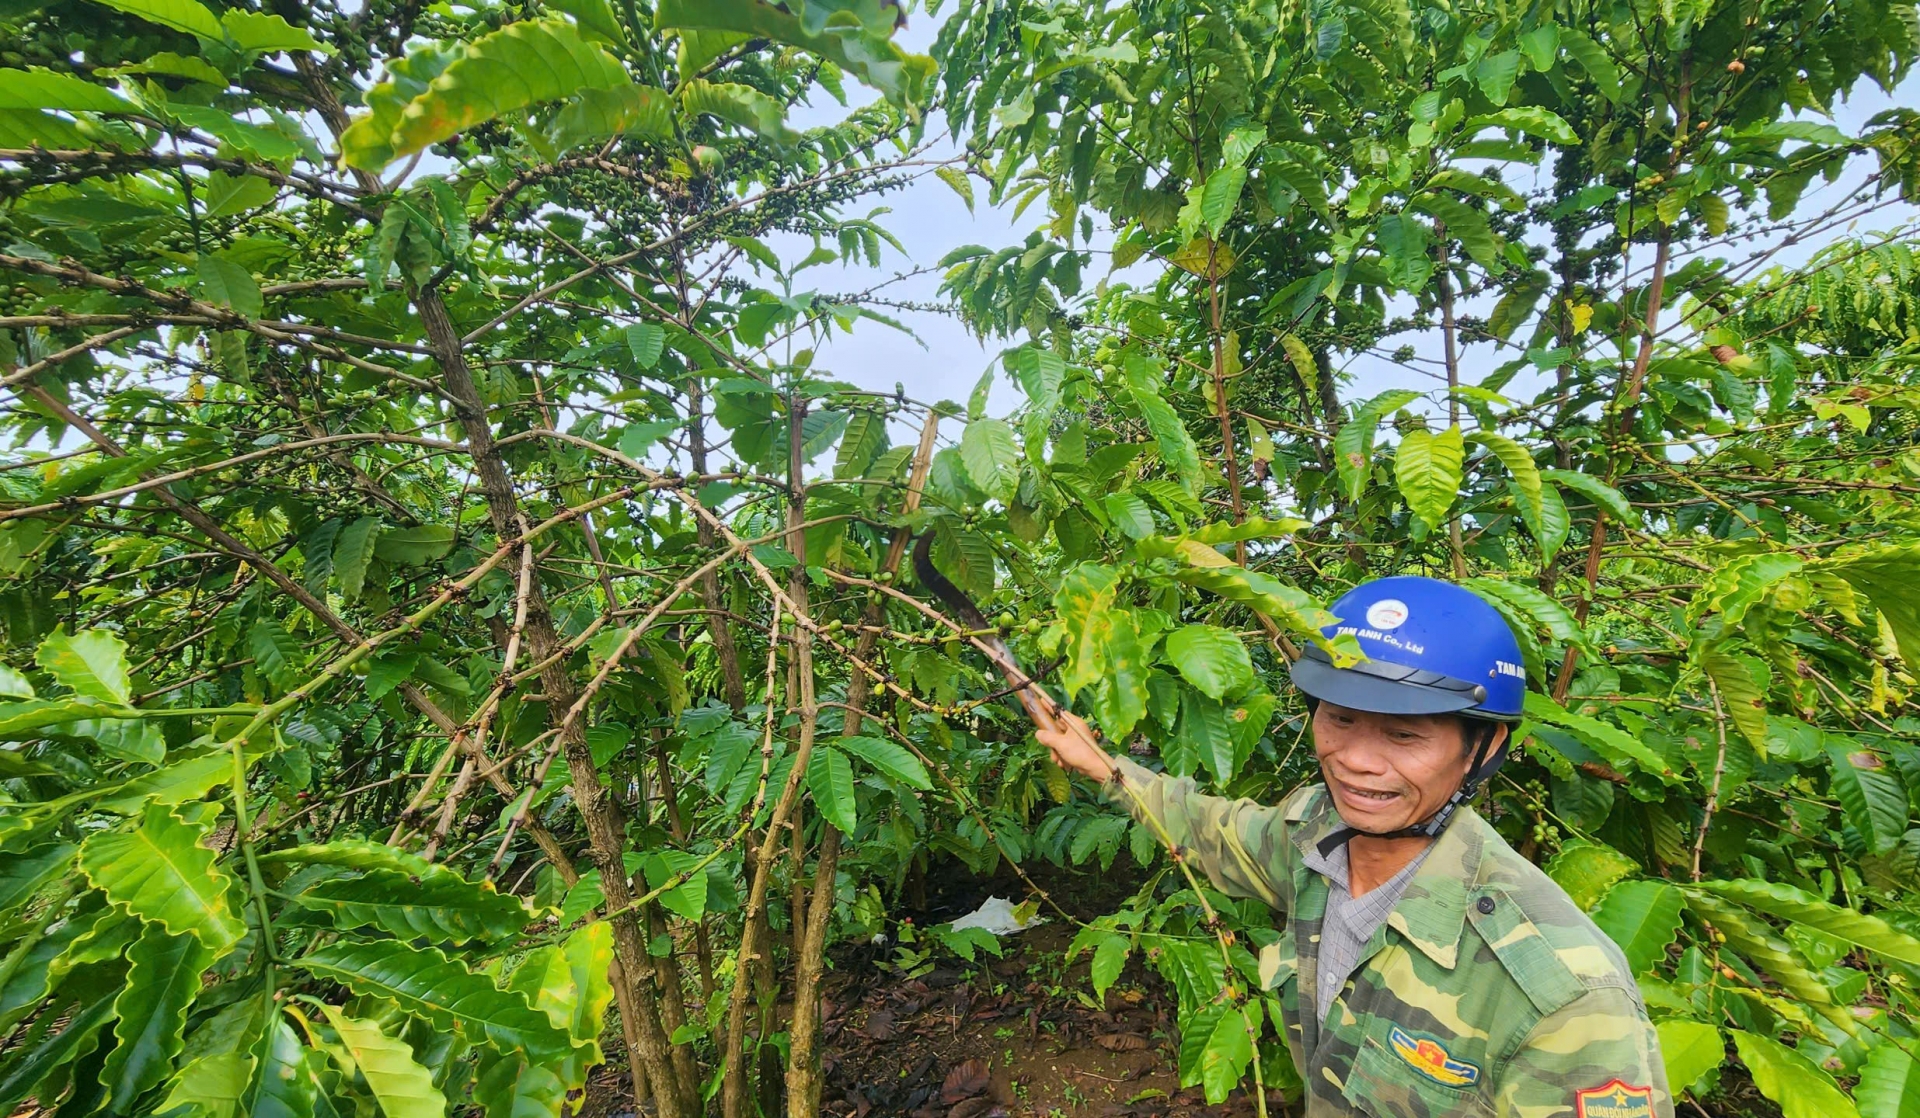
1074	749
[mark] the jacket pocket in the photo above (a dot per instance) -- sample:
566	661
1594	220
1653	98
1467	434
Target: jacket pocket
1399	1074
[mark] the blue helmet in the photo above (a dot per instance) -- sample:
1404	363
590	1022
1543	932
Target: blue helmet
1432	648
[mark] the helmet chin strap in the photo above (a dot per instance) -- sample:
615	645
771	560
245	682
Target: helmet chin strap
1479	773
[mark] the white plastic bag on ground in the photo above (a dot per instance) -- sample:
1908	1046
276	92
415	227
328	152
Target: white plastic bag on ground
1000	917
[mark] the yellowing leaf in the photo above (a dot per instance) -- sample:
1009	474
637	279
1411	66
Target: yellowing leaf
403	1088
519	65
1427	467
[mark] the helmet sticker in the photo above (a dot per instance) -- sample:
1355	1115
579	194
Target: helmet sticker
1387	613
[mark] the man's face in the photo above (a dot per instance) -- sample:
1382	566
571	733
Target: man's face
1388	771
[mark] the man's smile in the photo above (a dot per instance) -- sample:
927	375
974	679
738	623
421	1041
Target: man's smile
1363	796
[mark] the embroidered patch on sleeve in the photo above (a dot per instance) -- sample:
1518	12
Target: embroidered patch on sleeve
1427	1057
1614	1099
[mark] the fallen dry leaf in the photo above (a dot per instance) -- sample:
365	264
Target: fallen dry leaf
965	1081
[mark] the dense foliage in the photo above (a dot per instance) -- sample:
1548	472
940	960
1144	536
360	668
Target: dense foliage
449	613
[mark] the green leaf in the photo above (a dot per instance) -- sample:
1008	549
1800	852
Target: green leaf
689	898
991	456
414	547
25	721
957	179
1690	1049
1755	941
1176	446
1742	697
92	663
163	980
1588	870
965	555
861	49
160	871
1203	728
1794	1082
1789	903
1599	492
424	982
1545	612
1604	738
1228	1053
181	15
1129	514
738	104
265	142
1211	203
24	1072
1353	446
1551	532
645	340
388	671
14	685
266	33
894	760
1742	583
1427	467
632	110
1643	917
1531	120
521	64
352	552
1496	74
360	854
403	1088
1890	578
1466	225
45	89
1286	604
22	875
180	782
275	652
1889	1085
1252	528
510	1087
283	1085
1210	658
830	779
1109	959
1519	463
1593	58
1870	791
443	907
212	1086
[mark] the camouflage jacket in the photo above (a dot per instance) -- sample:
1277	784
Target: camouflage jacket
1485	992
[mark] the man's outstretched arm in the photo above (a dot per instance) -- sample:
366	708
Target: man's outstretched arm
1240	845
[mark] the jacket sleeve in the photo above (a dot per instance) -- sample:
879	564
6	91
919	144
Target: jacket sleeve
1240	844
1597	1057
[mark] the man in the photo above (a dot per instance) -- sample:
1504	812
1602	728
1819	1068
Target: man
1426	968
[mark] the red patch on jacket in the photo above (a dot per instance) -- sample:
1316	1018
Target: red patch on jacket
1614	1099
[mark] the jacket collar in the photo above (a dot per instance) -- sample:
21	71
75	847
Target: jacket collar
1432	913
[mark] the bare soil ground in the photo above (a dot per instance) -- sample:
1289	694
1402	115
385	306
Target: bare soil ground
1015	1037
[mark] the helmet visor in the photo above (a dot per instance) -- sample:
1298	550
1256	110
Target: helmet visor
1382	688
